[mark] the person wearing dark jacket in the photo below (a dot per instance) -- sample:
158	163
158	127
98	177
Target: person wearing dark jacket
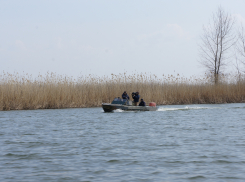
136	98
125	95
142	102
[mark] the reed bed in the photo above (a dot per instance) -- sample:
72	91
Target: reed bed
55	91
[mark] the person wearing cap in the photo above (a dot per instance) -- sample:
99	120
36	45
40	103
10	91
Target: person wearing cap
125	95
142	102
136	98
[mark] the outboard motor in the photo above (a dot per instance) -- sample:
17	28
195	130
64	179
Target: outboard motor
153	104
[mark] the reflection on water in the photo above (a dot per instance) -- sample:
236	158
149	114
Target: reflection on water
175	143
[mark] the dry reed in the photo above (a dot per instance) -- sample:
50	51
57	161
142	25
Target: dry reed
55	91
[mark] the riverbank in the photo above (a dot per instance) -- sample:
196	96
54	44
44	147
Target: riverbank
53	92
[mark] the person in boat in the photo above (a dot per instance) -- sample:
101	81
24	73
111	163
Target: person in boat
125	95
117	99
136	98
142	102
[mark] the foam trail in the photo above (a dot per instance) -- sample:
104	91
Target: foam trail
183	108
118	110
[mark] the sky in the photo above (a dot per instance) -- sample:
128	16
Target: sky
101	37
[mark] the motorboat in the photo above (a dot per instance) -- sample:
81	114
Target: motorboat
126	105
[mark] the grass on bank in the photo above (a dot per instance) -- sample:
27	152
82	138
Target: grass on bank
55	91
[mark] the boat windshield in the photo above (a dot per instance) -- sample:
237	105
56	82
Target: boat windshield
119	101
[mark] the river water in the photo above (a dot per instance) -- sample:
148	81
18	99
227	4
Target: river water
175	143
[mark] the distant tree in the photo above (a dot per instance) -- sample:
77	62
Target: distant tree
217	39
240	49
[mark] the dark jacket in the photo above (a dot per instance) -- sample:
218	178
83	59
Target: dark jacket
142	103
125	96
136	98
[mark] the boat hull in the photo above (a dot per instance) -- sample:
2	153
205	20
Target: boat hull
111	107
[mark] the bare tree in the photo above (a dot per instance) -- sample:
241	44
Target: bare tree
217	39
240	48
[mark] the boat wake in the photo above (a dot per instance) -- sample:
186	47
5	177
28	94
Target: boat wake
183	108
118	110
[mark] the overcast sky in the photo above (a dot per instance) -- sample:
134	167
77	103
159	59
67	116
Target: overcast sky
100	37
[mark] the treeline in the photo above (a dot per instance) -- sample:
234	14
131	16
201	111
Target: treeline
54	91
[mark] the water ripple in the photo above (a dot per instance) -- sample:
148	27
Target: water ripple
182	143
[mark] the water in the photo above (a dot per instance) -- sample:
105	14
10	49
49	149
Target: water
175	143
